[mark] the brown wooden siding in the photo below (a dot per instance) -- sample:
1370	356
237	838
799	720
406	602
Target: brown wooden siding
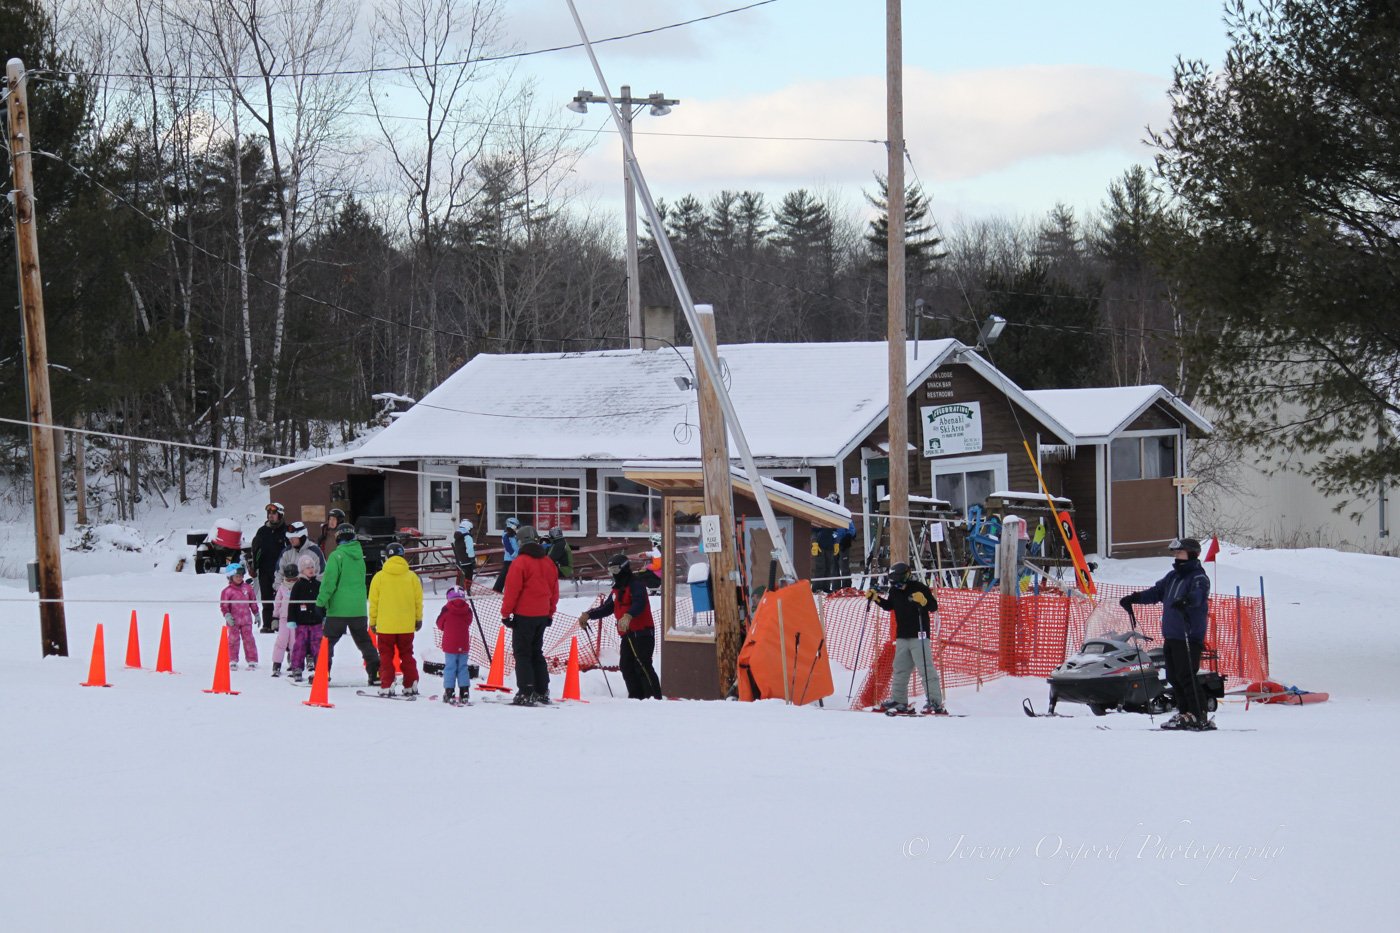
1079	483
1144	516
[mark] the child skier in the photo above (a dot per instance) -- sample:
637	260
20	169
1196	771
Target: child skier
279	617
305	617
238	604
395	613
455	623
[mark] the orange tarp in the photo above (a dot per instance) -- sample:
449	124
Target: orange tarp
797	646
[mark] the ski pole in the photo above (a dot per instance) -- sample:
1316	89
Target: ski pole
860	642
479	630
598	657
812	670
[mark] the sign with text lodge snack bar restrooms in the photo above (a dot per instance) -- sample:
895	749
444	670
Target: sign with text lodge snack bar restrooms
952	429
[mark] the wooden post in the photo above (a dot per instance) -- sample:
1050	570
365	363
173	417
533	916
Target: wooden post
894	200
1008	569
719	500
52	627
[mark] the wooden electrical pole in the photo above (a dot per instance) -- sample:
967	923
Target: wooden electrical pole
53	629
894	254
719	500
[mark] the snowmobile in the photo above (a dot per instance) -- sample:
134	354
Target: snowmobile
1117	672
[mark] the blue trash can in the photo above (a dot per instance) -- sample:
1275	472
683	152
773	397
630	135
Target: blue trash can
699	579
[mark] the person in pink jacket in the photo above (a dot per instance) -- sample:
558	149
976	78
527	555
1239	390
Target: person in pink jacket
285	630
239	605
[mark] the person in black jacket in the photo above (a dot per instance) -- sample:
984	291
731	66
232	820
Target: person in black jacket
630	608
268	545
464	554
1185	597
911	602
305	617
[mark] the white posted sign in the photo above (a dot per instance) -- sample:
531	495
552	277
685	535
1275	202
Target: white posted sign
710	539
952	429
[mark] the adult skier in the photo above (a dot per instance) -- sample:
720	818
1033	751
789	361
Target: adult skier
630	607
344	599
300	545
268	545
1184	594
531	596
912	604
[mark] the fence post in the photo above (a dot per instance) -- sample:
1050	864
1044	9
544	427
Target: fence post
1008	569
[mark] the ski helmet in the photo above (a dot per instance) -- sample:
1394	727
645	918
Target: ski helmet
233	569
656	539
393	549
455	593
275	507
296	530
1191	546
465	526
339	515
527	534
899	573
289	571
345	532
512	522
618	565
556	532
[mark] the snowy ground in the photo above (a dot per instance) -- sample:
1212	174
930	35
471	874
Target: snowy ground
153	806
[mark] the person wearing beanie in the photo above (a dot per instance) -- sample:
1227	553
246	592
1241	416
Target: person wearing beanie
454	621
531	596
1185	597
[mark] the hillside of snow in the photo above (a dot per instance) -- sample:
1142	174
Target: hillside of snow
154	806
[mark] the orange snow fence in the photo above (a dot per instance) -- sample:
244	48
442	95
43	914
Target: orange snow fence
785	641
980	636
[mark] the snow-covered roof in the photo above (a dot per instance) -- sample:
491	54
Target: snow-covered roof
301	466
1096	415
796	401
789	498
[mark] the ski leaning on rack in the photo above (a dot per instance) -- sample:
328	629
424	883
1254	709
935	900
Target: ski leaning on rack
382	696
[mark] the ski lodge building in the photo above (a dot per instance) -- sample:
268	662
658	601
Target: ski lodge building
568	439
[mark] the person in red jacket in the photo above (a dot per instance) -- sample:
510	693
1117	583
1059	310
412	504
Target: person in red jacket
531	596
630	606
455	623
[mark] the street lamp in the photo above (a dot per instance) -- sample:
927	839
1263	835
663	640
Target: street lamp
658	106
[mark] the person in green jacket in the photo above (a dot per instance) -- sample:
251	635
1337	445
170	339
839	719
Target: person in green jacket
561	553
344	598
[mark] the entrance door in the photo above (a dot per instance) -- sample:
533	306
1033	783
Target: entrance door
438	498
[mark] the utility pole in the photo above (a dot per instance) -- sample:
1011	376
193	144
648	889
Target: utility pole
53	629
719	500
894	199
629	106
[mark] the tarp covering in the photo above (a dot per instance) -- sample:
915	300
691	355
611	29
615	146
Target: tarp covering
794	646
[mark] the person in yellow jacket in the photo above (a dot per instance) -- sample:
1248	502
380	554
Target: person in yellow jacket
395	613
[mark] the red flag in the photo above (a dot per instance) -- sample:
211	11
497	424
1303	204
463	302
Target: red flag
1211	550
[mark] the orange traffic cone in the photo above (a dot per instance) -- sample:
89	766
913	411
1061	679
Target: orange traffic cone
221	684
163	654
321	680
495	679
97	670
133	645
571	675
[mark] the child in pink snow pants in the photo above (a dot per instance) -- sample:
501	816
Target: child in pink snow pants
304	617
239	605
285	629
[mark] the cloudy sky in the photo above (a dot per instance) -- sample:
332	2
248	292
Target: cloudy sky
1010	105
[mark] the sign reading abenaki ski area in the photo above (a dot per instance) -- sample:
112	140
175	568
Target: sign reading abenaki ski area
952	429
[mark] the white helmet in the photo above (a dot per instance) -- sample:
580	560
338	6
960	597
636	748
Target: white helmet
656	539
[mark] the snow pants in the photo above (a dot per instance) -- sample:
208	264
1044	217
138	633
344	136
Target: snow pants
635	663
500	585
454	671
358	627
527	643
283	645
306	644
823	566
1183	659
915	656
242	632
401	646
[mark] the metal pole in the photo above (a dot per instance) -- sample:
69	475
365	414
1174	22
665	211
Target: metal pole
634	287
52	626
894	255
703	354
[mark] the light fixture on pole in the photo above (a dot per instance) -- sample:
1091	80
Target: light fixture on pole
657	105
989	332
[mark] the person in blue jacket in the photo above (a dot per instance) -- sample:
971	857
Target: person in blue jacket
510	547
1184	594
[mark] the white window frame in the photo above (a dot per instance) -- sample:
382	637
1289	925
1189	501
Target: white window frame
943	466
1139	436
777	474
495	475
601	496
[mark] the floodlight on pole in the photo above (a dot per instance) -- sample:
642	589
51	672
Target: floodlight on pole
991	330
657	105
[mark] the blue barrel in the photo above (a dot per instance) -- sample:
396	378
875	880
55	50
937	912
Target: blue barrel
700	599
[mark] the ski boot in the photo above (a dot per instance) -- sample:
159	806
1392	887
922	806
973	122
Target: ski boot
886	706
233	665
900	709
1180	722
934	709
464	696
252	665
411	691
541	699
386	691
523	699
276	669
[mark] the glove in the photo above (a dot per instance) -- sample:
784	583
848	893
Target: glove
228	618
920	598
418	625
816	549
508	621
583	621
1126	602
623	624
291	626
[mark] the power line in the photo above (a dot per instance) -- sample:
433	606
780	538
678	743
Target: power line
386	69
